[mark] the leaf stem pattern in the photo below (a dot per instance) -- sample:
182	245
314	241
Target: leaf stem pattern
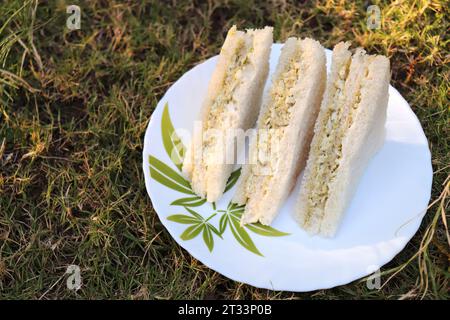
197	224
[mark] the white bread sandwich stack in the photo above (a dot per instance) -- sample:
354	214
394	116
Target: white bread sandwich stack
348	132
278	150
232	102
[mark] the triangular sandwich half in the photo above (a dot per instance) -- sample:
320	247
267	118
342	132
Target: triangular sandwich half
278	150
348	132
232	102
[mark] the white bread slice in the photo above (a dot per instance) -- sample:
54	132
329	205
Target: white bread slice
205	163
354	107
288	115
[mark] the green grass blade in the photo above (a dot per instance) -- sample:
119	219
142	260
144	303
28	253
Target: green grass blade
11	16
172	143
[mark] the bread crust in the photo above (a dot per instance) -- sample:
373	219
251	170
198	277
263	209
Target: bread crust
366	89
362	141
263	205
209	179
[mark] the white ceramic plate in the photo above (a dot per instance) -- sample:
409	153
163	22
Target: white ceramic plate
384	214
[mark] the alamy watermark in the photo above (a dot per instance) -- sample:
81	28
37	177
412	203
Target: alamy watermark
74	279
373	14
73	22
374	280
262	147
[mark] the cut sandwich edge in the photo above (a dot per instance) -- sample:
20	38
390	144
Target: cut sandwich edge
263	206
211	182
367	126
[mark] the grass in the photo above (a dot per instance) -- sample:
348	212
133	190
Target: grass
74	106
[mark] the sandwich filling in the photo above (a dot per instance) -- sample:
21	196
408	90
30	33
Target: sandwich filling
272	127
224	107
328	149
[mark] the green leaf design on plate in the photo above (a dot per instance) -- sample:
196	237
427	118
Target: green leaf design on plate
263	230
235	206
223	223
168	177
242	236
192	231
172	143
237	212
199	224
214	229
258	228
195	214
232	179
208	238
182	218
189	202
